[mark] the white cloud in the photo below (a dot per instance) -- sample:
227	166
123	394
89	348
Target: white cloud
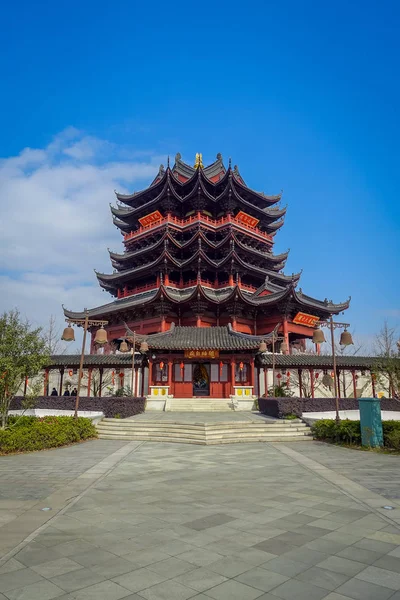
56	222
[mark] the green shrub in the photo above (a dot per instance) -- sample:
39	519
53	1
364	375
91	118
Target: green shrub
290	417
349	432
35	433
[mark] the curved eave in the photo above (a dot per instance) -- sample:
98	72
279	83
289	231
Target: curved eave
152	190
271	200
326	306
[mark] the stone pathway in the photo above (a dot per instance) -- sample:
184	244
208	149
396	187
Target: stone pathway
170	522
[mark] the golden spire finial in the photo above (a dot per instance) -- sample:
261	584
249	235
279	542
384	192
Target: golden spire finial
198	164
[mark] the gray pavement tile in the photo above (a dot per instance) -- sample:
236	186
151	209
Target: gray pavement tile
327	546
139	579
274	547
200	557
230	566
294	538
77	580
305	555
328	580
41	590
310	531
115	566
262	579
362	590
341	565
395	552
178	546
207	522
367	557
391	563
56	567
381	577
253	556
167	591
35	554
106	590
285	566
395	596
298	590
93	557
200	579
375	545
19	578
233	590
11	565
171	567
73	547
145	557
335	596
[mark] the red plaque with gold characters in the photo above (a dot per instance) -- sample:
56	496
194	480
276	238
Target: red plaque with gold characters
151	218
247	219
201	353
305	319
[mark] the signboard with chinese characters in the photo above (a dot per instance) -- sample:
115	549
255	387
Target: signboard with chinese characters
151	218
247	219
305	319
201	353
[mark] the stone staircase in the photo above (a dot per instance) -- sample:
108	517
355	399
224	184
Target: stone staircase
198	404
203	433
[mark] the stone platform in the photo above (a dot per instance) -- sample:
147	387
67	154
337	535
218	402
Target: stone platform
208	428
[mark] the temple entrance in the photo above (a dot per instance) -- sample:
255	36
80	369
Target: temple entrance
201	379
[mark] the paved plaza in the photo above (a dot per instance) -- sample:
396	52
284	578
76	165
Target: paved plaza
162	521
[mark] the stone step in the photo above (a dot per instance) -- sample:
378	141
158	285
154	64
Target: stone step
202	430
183	440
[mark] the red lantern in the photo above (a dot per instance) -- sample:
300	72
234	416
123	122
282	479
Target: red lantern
221	364
161	365
70	372
356	377
121	375
241	365
288	374
279	376
332	374
316	375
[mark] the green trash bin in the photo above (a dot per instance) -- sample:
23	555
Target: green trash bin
371	422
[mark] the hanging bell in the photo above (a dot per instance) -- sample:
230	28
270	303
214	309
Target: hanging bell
346	339
327	380
68	334
123	347
262	347
318	336
144	347
101	336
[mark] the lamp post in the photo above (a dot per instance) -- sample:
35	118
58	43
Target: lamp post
143	349
345	340
69	336
284	348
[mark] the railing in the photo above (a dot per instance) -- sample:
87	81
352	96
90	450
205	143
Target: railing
125	293
194	219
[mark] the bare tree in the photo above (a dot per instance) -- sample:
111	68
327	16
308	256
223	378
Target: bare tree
52	337
388	361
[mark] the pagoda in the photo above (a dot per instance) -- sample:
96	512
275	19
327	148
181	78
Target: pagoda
198	279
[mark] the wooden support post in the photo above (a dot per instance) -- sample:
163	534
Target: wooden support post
353	375
61	381
266	382
300	383
338	382
26	386
150	373
286	334
170	375
89	383
232	373
46	382
100	380
373	385
252	376
312	383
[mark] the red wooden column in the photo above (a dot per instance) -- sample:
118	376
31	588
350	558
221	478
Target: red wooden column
166	279
232	373
252	374
170	375
266	381
312	383
353	374
286	334
26	386
150	374
231	282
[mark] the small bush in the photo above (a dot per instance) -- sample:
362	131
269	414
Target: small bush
290	417
349	432
35	433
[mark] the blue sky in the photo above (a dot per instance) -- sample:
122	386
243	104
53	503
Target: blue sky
304	96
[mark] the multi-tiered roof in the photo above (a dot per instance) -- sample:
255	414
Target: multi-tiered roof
199	235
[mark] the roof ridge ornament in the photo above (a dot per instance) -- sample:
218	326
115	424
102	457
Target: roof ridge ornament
198	164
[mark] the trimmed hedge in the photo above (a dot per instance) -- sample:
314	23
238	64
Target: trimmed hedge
34	433
349	432
279	407
124	406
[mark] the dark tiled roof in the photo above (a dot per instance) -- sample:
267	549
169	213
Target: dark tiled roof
203	338
94	360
